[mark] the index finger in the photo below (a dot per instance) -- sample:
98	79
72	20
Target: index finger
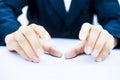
52	50
75	51
41	31
85	31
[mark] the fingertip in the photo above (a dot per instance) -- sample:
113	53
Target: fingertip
35	59
66	55
55	52
99	59
59	55
39	52
69	55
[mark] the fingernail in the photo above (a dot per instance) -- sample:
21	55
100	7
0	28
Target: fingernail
82	36
95	53
35	59
60	54
57	53
29	60
88	50
69	55
66	55
39	52
99	60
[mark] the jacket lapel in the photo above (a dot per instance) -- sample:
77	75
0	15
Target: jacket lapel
75	8
74	11
59	7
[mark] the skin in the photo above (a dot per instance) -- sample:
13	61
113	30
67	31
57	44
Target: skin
96	42
26	42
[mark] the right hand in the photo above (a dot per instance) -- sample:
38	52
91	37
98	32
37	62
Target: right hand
25	41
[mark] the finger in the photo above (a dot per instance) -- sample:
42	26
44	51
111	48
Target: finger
33	40
100	43
24	44
40	31
9	40
84	32
105	50
75	51
12	45
92	38
21	52
52	50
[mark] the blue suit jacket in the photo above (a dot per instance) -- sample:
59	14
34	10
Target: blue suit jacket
52	15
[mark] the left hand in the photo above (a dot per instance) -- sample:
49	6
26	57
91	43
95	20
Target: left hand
95	41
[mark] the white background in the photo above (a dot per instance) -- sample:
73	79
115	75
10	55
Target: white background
83	67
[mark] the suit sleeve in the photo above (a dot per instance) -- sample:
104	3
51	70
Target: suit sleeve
108	12
9	11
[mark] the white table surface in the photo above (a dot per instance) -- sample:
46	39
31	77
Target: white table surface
84	67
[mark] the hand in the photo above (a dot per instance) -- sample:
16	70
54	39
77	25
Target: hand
26	42
95	41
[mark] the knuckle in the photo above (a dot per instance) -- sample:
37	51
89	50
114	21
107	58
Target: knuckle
27	32
9	47
13	46
86	24
99	27
32	25
19	38
41	27
105	32
7	38
43	34
96	29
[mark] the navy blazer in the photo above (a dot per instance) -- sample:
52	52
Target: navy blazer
52	16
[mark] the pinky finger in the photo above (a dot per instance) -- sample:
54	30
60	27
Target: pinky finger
104	52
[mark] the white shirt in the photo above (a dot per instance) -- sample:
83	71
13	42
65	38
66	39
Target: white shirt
67	4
